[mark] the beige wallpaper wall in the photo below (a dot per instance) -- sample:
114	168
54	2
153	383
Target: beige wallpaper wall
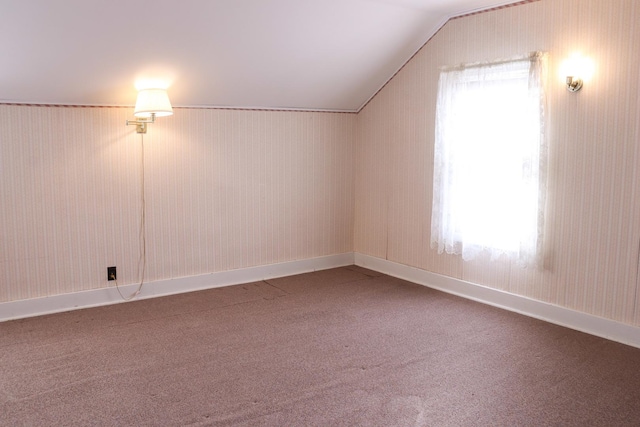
224	190
593	216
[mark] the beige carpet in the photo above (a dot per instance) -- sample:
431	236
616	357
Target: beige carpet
341	347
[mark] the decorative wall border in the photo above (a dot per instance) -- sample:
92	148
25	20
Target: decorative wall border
438	27
491	9
186	107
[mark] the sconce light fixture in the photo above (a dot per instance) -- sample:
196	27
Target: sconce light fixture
574	83
151	103
576	70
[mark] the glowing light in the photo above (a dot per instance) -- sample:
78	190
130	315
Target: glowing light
577	66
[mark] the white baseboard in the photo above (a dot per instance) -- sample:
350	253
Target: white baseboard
594	325
106	296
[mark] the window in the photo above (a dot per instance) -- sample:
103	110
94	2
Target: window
490	161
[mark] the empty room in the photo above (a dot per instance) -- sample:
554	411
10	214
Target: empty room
320	213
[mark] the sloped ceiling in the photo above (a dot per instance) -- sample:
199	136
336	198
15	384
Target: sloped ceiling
293	54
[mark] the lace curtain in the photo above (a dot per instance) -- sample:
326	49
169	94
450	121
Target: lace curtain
489	186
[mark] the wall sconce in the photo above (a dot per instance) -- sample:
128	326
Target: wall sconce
151	103
574	84
576	70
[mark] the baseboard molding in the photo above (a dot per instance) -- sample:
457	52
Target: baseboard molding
106	296
594	325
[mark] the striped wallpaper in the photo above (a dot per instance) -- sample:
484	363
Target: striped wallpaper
593	218
225	189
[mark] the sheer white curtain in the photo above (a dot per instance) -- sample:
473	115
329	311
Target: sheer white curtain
489	186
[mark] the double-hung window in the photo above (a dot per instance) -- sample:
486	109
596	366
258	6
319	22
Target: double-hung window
490	160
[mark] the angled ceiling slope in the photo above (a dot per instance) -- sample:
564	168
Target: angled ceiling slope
320	55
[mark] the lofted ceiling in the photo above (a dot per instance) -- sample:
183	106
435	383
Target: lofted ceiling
291	54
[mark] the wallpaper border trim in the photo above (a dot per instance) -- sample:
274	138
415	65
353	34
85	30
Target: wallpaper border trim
444	21
106	296
583	322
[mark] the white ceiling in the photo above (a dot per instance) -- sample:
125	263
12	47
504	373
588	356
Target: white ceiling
293	54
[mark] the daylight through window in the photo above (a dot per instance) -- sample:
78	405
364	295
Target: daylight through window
490	160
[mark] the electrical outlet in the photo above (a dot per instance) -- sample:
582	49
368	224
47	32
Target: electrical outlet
111	273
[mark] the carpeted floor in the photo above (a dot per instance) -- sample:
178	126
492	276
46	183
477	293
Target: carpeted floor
341	347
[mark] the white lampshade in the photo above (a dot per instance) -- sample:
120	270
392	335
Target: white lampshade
153	101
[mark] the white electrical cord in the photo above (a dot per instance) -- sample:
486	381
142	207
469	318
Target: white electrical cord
143	234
